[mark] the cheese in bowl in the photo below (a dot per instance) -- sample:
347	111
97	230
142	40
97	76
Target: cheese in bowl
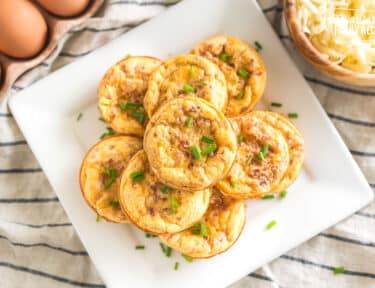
342	30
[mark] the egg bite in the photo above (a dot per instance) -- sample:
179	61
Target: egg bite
186	75
190	144
295	143
100	175
154	207
121	93
261	161
215	232
242	67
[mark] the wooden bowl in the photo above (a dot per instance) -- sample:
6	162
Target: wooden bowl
319	60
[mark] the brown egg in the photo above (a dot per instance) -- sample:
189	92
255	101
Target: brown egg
23	30
64	8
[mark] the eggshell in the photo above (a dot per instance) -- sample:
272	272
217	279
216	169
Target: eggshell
64	8
23	30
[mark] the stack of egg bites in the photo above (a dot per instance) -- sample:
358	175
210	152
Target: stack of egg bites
188	148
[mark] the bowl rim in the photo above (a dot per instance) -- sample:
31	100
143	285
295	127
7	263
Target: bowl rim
314	56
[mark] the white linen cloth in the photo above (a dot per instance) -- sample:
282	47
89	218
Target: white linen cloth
39	247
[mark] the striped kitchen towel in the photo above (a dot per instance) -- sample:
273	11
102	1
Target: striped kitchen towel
39	247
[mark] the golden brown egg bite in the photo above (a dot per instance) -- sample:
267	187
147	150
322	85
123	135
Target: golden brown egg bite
186	75
243	68
121	93
215	233
190	144
100	175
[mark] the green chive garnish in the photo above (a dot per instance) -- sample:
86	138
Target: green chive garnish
240	95
209	149
162	247
262	154
243	73
188	89
174	204
240	138
148	235
187	258
283	194
269	196
271	224
207	139
224	57
110	132
248	161
97	218
137	176
140	247
106	101
79	116
234	183
166	249
165	189
129	105
101	119
191	69
176	265
339	270
112	174
139	116
200	229
196	153
114	203
292	115
258	47
276	104
202	83
189	122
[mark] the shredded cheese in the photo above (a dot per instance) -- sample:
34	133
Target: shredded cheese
344	30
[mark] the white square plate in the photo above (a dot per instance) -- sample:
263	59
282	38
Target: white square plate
330	188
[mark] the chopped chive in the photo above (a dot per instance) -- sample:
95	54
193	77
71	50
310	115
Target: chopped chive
276	104
209	149
101	119
207	139
234	183
106	101
258	46
114	203
162	247
137	176
168	251
140	247
339	270
283	194
240	138
196	153
79	116
243	73
112	174
187	258
240	95
139	116
176	265
261	156
248	161
110	132
97	218
122	105
292	115
202	83
188	89
189	122
148	235
268	196
165	189
200	229
271	224
224	57
191	70
174	204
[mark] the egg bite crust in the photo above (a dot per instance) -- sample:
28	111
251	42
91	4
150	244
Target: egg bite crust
251	176
242	67
111	153
224	221
186	75
121	93
295	143
176	130
155	207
